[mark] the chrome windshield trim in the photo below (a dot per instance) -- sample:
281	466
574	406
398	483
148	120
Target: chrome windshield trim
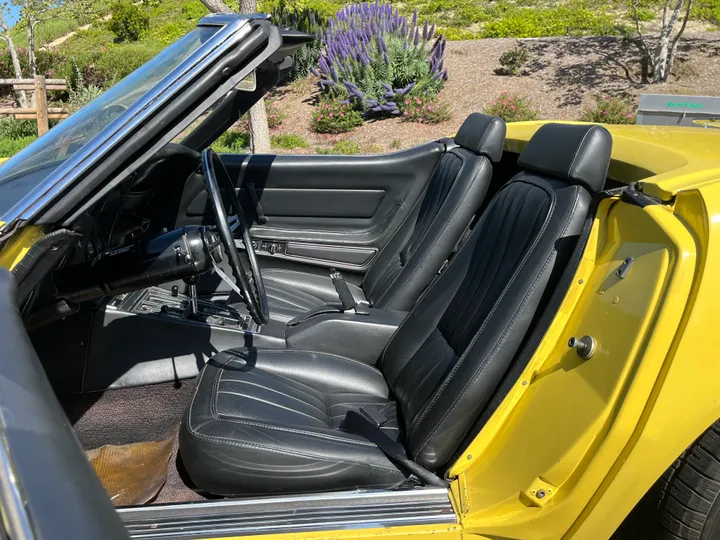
13	506
291	514
234	29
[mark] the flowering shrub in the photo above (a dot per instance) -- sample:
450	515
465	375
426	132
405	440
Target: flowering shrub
512	108
336	117
374	57
425	110
274	116
610	110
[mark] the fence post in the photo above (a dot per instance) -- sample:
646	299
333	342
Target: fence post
41	105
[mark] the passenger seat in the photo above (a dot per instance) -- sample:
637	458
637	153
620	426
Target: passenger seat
407	264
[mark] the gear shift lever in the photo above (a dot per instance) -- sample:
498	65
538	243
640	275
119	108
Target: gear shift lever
191	282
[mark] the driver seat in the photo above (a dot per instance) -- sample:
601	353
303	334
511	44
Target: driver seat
269	421
407	264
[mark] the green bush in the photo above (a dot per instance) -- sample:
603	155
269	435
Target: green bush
17	129
341	147
10	147
425	110
512	108
232	142
336	117
572	19
81	96
610	110
194	10
513	61
288	141
127	21
707	10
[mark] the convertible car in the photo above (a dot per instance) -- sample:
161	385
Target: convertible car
503	334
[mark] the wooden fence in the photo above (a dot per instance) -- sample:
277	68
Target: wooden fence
40	86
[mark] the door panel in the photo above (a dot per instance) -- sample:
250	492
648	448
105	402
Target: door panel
321	210
331	203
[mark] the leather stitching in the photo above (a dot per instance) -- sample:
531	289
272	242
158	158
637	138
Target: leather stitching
447	223
284	451
501	339
511	281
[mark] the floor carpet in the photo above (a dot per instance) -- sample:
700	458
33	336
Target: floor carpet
131	415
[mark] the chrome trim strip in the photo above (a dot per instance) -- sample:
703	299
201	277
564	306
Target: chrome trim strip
235	27
292	514
13	508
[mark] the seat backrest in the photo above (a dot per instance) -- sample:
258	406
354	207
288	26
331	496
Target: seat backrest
452	350
411	259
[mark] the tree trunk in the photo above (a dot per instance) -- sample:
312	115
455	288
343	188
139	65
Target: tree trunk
259	131
32	63
661	61
216	6
21	96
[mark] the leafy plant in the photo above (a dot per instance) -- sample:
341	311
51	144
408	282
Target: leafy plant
425	110
10	147
610	110
288	141
336	117
305	20
512	108
513	61
375	57
127	21
232	142
341	147
17	129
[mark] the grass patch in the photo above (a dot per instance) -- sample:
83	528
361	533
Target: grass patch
288	141
341	148
232	142
10	147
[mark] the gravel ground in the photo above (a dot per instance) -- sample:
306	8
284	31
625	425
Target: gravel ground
563	76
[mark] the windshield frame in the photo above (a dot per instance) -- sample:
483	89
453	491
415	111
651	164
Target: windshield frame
233	28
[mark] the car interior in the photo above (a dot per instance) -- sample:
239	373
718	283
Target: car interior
302	324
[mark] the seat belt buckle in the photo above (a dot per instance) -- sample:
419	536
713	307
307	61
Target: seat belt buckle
374	416
346	297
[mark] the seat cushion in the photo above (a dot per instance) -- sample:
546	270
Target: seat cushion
292	293
265	421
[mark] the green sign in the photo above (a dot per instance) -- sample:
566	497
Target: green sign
685	105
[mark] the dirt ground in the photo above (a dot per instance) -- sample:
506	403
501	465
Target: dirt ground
562	77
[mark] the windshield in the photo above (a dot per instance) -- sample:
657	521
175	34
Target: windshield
26	170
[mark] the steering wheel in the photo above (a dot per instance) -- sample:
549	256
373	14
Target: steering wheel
245	269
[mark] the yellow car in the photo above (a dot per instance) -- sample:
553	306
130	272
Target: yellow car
506	334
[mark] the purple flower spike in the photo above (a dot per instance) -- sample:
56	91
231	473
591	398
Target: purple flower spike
327	82
414	19
315	72
416	39
425	31
386	58
431	32
387	87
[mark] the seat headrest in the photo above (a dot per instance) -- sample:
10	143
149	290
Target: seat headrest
576	154
482	134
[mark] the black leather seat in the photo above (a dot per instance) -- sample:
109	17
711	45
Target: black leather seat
269	420
404	268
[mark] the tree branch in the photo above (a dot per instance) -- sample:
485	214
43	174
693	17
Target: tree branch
216	6
636	16
682	27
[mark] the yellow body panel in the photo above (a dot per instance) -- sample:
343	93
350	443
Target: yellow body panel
414	532
595	434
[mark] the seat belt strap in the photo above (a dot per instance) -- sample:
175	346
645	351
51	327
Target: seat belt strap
261	218
346	298
362	423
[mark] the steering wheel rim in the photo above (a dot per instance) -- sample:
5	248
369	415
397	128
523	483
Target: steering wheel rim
253	293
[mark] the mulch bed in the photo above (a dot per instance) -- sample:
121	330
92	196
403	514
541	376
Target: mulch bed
563	76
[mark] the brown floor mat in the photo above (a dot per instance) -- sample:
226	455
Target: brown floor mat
132	473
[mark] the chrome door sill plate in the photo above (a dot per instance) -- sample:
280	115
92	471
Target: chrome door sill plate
290	514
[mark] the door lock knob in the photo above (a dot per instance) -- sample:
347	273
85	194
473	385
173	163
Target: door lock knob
585	346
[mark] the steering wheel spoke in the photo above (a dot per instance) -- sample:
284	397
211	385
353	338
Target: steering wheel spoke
245	269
